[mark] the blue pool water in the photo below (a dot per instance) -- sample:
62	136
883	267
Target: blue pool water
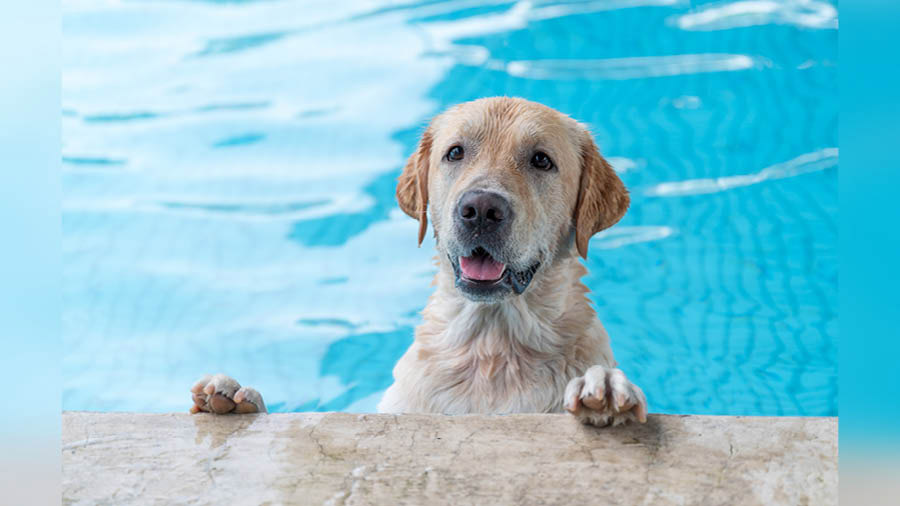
229	171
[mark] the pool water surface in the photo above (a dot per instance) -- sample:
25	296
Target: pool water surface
229	171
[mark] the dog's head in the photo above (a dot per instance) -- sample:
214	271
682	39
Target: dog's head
510	182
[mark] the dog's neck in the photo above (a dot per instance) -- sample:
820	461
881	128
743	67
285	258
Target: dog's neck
553	304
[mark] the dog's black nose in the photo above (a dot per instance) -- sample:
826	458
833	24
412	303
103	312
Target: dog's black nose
483	211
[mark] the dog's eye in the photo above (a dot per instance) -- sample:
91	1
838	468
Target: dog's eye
455	154
541	161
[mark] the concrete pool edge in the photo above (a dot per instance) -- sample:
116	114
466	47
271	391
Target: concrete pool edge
338	458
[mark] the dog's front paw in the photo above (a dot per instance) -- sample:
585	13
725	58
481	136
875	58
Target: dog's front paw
604	396
221	394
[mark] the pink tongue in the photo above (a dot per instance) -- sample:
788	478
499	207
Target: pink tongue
481	268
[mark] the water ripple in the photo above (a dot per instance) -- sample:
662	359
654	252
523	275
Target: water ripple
240	43
803	164
617	237
92	160
142	115
722	16
240	140
521	13
235	106
630	68
118	117
621	164
246	207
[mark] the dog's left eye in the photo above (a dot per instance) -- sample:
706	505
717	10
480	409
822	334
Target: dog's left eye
541	161
455	154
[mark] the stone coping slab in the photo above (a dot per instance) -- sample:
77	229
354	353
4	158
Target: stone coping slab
340	458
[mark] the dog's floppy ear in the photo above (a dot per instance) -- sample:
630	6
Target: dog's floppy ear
412	185
602	198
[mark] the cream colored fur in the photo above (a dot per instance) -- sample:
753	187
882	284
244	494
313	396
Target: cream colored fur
539	352
521	354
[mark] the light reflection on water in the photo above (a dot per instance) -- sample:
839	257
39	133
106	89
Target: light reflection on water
229	170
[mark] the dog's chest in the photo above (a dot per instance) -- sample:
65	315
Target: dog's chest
494	374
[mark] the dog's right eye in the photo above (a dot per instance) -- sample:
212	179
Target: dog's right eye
455	154
541	161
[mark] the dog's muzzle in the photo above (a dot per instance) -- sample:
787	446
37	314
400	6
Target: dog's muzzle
483	224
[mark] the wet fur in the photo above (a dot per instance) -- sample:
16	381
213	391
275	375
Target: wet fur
516	355
512	357
538	352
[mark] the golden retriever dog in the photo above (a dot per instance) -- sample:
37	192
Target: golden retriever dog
514	191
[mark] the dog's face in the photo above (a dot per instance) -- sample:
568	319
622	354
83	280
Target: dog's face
508	182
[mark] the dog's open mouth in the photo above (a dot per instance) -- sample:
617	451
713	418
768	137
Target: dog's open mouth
482	277
480	266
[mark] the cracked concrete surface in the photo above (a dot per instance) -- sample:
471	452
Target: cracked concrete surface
339	458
